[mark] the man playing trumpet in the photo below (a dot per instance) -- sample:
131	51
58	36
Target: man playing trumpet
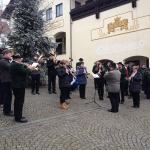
35	76
18	83
51	64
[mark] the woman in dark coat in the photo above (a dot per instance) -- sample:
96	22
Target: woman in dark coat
136	86
82	79
64	83
100	81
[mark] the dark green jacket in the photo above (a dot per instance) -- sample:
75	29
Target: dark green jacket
18	75
123	75
94	67
146	77
106	67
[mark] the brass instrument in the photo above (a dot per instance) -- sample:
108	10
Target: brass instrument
70	59
55	56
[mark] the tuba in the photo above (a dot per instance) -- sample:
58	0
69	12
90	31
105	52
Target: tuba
55	56
70	59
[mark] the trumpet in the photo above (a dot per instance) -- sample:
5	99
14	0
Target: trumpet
55	56
70	59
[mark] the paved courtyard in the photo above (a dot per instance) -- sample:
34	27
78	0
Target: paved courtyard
81	127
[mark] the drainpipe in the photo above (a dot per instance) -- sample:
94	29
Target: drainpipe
70	33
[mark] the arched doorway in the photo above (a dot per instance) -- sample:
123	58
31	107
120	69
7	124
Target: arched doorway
104	61
138	60
60	38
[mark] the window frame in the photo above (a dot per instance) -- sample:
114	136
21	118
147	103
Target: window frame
48	11
61	4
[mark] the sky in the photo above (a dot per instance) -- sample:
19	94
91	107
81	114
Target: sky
4	2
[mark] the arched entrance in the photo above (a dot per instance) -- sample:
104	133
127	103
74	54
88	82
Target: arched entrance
60	38
138	60
104	61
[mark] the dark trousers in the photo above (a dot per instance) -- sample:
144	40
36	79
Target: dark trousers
136	99
82	90
126	87
1	93
6	97
51	83
19	95
35	82
101	89
63	93
147	90
122	89
68	92
95	83
114	99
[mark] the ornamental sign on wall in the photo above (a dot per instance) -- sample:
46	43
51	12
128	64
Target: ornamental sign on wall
120	24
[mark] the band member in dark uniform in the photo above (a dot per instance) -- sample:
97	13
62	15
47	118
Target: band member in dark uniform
69	67
113	86
6	83
93	70
51	64
122	81
100	81
147	83
64	83
1	100
82	80
18	83
107	68
78	63
126	66
35	76
136	86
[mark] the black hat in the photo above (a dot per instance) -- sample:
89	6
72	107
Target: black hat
81	59
113	65
126	63
108	61
17	55
120	63
51	54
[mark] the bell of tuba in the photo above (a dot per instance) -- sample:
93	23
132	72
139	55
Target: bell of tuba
55	56
70	59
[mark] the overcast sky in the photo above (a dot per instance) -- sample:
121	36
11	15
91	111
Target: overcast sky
4	2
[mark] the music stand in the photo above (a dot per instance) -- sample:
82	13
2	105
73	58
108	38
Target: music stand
95	76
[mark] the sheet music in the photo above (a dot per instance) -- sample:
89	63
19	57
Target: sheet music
95	76
34	64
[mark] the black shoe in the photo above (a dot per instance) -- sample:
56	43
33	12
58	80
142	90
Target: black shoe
136	107
122	102
33	93
50	92
129	97
107	96
69	98
9	114
37	92
22	120
83	98
54	92
109	110
101	98
23	117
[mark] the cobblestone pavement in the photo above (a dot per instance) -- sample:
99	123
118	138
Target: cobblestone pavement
81	127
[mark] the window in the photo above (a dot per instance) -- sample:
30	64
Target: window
77	4
49	14
59	10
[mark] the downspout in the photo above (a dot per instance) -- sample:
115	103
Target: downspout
70	33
